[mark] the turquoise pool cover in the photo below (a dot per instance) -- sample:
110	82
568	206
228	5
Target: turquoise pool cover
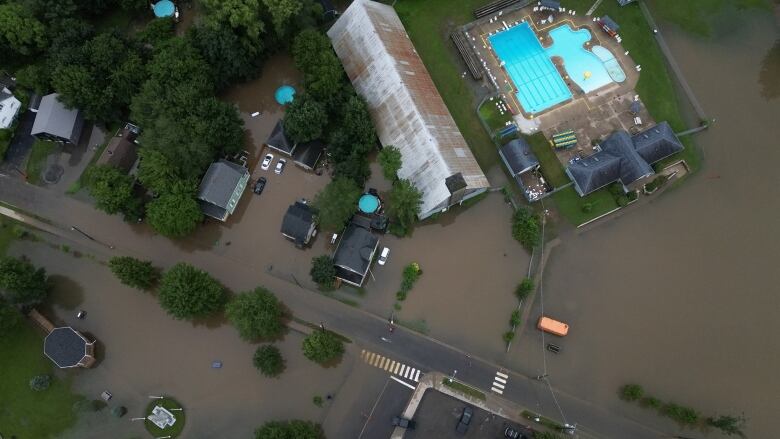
368	203
539	86
284	94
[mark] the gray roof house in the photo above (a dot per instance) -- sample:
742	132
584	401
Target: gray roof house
306	155
518	157
624	158
354	254
279	141
298	224
57	123
221	189
9	108
67	348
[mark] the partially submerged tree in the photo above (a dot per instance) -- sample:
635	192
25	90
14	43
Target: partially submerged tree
110	187
268	360
256	314
322	346
22	283
526	228
389	159
404	204
305	119
323	272
134	272
187	292
174	214
336	203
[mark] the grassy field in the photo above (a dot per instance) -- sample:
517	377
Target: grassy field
25	413
571	205
552	169
492	117
35	164
428	23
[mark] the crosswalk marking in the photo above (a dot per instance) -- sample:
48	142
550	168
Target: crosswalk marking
390	365
499	383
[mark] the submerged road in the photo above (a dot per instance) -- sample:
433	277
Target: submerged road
109	235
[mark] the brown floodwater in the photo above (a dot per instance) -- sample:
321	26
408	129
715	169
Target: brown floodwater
682	294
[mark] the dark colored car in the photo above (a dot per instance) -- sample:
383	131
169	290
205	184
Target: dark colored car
511	433
259	186
403	423
465	420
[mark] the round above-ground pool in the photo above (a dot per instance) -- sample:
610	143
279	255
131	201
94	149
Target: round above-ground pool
164	8
284	94
368	203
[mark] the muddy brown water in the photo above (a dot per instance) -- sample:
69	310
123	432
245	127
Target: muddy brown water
682	294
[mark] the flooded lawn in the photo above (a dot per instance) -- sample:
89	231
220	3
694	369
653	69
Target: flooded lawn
142	351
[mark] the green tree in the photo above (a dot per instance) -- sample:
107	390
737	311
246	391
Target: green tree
525	288
174	214
336	203
515	319
155	172
323	74
729	425
157	31
282	13
242	16
256	314
404	203
36	77
294	429
23	284
20	32
680	414
229	60
134	272
305	119
322	346
526	228
268	360
631	392
389	159
323	272
39	383
110	187
10	317
187	292
508	336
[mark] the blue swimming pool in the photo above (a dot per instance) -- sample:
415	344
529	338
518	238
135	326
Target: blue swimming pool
164	8
539	86
587	69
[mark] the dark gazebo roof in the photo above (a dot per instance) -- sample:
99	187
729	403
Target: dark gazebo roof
609	22
65	347
518	157
307	154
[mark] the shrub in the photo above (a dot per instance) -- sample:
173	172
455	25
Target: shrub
682	415
728	425
322	346
256	314
40	383
323	272
410	275
587	207
524	288
509	336
23	283
268	360
317	400
390	160
187	292
650	402
631	392
134	272
526	228
515	320
622	201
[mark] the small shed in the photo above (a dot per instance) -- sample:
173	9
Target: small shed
550	5
67	348
56	122
609	25
299	224
306	155
221	189
279	141
518	157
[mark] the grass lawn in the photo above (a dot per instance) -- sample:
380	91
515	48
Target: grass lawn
492	117
25	413
6	234
570	204
40	150
428	23
552	169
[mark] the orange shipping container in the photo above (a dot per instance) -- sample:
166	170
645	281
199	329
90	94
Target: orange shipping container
547	324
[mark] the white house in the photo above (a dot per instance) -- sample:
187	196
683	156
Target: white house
9	108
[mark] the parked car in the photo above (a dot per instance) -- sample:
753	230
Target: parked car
259	186
403	423
280	166
511	433
465	420
267	162
383	257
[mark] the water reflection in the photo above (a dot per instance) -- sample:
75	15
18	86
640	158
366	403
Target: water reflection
769	78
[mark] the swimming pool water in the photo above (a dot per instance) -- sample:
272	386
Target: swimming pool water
284	94
587	69
164	8
539	86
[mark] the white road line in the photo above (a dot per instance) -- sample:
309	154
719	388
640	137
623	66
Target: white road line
500	392
417	377
403	369
502	375
500	386
409	372
500	380
403	382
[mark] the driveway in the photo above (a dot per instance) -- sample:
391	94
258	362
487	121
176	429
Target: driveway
20	145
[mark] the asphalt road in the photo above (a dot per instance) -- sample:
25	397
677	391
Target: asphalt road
111	236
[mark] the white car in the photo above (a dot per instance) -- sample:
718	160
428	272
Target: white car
280	166
267	162
383	257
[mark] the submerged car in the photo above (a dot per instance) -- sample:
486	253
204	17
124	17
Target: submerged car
267	162
280	166
259	186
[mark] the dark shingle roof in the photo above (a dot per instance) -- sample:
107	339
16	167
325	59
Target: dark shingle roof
657	143
632	166
552	4
307	154
219	185
278	140
355	250
594	172
297	222
518	156
609	22
65	347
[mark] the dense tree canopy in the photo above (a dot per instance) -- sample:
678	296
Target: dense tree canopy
404	203
134	272
526	228
111	189
244	17
20	32
305	119
229	60
390	160
294	429
174	214
268	360
336	203
282	12
256	314
322	271
22	283
323	74
157	31
322	346
187	292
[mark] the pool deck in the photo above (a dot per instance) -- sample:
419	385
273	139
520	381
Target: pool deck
592	115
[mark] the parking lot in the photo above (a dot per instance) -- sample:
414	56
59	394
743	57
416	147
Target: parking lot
439	414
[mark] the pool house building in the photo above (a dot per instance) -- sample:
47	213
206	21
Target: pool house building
405	106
